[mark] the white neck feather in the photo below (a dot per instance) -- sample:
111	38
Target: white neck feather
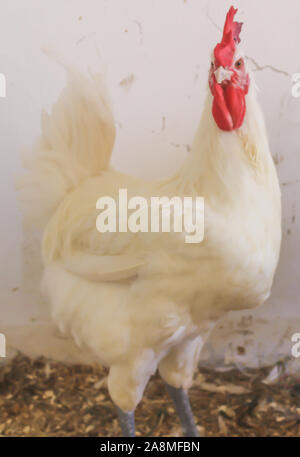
222	161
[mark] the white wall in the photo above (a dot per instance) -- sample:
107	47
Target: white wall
156	54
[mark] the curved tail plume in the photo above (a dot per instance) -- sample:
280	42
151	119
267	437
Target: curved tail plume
76	142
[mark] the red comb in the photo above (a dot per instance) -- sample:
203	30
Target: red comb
224	51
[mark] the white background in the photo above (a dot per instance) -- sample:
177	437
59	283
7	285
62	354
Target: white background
156	55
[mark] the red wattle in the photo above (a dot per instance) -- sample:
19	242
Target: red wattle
229	106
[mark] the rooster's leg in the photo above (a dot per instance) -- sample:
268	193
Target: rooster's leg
183	409
126	421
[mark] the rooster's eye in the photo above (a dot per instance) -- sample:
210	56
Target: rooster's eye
238	63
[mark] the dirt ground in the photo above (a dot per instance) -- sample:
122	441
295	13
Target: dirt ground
46	398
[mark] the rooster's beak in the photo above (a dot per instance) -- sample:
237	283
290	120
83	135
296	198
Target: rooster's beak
223	74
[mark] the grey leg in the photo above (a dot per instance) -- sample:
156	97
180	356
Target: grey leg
126	421
183	409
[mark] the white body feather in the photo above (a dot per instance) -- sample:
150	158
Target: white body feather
147	300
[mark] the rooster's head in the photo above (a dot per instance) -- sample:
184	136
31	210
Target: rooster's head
228	77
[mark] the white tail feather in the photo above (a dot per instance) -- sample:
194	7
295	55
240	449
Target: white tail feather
76	142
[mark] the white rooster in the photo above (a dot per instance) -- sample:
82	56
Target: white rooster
142	301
